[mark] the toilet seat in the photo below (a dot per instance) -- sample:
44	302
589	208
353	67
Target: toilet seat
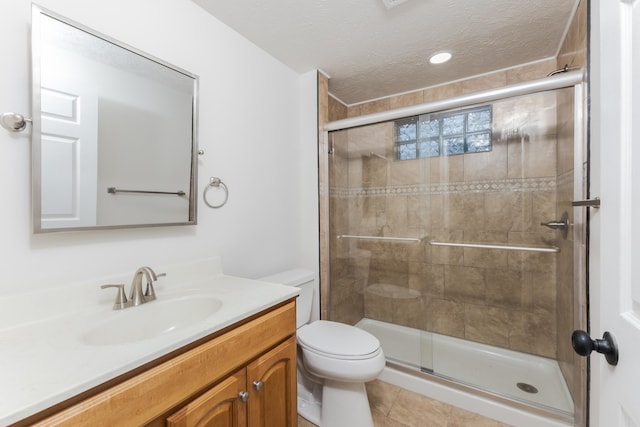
338	341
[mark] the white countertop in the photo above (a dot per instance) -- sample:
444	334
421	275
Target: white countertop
43	360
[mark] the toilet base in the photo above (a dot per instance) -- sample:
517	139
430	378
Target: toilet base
309	400
345	405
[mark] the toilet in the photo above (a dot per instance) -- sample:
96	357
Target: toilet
334	362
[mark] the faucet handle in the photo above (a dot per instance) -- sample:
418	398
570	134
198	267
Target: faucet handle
121	299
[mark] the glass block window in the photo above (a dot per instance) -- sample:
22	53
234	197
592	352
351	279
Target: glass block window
444	134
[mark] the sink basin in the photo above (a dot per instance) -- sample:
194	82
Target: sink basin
152	319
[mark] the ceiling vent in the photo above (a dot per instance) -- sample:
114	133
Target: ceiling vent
392	3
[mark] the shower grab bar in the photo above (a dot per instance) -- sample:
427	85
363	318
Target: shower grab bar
397	239
551	249
114	190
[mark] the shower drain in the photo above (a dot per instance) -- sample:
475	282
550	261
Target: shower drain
527	388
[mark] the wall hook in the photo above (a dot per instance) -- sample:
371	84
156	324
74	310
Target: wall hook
14	122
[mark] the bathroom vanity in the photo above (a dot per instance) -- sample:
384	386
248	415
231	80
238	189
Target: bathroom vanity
236	366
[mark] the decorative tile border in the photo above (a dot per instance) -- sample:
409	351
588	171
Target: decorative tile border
489	186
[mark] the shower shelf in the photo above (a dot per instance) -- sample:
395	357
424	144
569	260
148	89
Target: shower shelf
396	239
506	247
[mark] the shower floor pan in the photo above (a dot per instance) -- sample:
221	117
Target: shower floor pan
523	377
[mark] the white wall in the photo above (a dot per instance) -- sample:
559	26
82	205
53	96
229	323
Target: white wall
257	128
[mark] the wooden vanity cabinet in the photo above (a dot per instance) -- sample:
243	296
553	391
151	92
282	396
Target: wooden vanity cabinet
205	385
257	396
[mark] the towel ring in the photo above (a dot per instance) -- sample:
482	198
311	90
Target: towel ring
217	183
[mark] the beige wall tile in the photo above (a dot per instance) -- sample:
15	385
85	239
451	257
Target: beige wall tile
426	278
442	92
374	172
504	288
486	166
410	312
543	209
396	212
445	317
337	110
405	172
464	284
538	70
418	215
406	99
378	307
436	210
446	255
465	211
446	169
565	138
531	156
369	107
365	140
532	333
487	325
354	174
481	257
544	293
508	211
488	81
531	261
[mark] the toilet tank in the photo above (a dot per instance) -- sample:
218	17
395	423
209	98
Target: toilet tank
300	278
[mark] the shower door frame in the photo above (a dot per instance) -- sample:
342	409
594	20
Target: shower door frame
575	79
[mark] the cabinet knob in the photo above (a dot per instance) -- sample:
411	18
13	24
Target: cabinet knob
243	396
258	385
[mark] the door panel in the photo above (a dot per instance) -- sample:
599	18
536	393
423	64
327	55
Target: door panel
615	230
218	407
69	157
272	381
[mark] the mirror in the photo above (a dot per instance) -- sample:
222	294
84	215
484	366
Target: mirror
114	132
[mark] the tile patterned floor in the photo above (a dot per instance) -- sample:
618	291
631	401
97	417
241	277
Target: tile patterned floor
393	406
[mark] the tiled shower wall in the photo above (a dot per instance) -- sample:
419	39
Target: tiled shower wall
497	297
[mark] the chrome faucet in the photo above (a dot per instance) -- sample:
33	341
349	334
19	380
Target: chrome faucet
136	296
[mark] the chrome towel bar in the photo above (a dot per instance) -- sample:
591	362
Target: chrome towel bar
114	190
400	239
506	247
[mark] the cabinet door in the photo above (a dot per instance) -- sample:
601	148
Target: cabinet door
218	407
272	380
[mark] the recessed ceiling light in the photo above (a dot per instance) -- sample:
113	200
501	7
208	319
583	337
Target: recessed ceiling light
439	58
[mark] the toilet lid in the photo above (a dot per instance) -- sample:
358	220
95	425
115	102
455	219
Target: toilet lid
337	339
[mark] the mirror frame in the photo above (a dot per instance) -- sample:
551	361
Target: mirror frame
36	136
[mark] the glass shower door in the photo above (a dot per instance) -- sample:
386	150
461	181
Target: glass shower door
453	240
377	248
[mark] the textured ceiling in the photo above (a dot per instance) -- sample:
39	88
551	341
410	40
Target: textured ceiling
370	51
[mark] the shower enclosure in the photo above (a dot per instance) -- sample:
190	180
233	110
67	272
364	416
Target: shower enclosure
452	238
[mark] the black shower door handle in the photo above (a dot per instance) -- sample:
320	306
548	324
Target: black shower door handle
584	345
